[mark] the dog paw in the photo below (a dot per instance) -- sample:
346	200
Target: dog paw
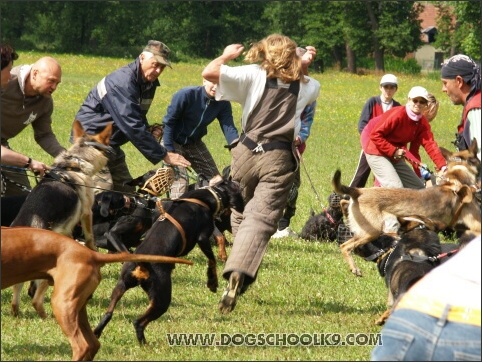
357	272
380	322
213	286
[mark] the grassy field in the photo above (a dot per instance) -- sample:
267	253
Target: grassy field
303	288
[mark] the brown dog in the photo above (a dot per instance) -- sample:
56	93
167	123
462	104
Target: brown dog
73	269
452	203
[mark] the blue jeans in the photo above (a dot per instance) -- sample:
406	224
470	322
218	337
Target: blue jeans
413	336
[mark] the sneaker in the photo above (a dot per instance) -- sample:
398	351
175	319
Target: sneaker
285	233
228	299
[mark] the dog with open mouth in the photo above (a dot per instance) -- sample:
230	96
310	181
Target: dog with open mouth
450	202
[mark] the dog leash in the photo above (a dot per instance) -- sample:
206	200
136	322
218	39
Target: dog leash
313	187
411	158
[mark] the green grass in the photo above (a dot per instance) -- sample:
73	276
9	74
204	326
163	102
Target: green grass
302	287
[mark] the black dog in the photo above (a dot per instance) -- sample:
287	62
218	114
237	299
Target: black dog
324	226
402	260
187	222
121	221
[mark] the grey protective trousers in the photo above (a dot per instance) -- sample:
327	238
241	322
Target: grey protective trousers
266	179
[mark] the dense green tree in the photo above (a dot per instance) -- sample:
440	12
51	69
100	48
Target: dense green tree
459	27
342	31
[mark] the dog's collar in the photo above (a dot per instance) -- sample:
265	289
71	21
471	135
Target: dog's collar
60	169
219	203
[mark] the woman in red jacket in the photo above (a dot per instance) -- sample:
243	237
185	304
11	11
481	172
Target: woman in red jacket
388	143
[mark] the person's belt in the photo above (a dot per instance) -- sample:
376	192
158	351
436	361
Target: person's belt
263	147
436	309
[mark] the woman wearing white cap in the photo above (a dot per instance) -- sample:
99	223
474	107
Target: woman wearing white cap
389	139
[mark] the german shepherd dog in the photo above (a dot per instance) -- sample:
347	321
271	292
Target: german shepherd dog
451	203
187	222
405	258
65	196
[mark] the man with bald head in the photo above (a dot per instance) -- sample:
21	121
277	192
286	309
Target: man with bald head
27	99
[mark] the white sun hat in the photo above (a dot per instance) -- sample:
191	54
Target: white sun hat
389	79
418	92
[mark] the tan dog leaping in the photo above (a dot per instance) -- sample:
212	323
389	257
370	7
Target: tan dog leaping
372	210
74	270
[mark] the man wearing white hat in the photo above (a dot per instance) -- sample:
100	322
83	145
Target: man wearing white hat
389	139
374	107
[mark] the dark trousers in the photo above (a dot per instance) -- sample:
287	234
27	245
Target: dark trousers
362	172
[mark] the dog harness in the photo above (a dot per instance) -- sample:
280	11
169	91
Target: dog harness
165	215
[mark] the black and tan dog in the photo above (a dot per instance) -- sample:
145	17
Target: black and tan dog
324	226
121	221
65	196
187	222
74	270
403	258
451	202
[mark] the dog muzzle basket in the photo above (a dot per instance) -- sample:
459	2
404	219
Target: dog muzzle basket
160	182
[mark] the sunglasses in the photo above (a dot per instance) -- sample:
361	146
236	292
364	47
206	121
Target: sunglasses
389	87
422	102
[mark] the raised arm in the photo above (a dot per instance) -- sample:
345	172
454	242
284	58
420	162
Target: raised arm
212	71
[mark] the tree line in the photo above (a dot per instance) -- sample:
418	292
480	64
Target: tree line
342	31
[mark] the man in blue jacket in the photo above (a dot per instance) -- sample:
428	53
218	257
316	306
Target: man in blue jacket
191	110
124	97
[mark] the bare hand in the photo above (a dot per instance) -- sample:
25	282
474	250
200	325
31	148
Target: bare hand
175	159
309	56
216	179
39	167
297	141
399	153
232	51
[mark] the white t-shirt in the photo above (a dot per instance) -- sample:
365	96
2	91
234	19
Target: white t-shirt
245	85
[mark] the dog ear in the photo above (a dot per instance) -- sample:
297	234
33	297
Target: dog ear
473	147
465	194
104	136
445	152
78	130
410	222
105	204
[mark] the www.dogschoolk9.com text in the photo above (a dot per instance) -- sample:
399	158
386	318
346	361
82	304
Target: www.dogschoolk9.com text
273	339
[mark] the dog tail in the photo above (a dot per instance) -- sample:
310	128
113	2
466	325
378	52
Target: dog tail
342	189
141	258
